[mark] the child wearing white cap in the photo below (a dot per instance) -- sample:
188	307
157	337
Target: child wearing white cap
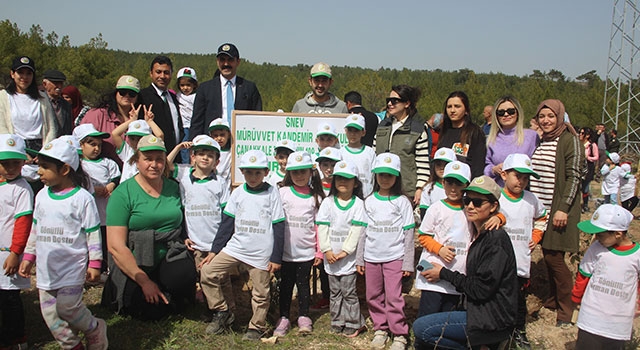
341	220
220	131
187	84
282	151
301	194
326	136
103	172
628	198
204	195
65	245
611	174
327	159
16	201
251	235
526	221
606	284
385	252
433	191
134	129
444	235
356	153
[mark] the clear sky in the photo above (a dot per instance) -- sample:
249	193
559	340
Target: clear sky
512	37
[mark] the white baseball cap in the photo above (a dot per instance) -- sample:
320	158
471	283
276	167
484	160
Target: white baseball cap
388	163
187	72
205	142
73	141
138	128
12	147
288	144
608	217
254	159
520	163
84	130
626	167
446	154
219	123
344	169
330	153
615	157
63	150
326	129
355	121
459	171
299	160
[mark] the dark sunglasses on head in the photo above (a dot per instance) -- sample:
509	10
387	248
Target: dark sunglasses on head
394	100
509	111
125	92
477	202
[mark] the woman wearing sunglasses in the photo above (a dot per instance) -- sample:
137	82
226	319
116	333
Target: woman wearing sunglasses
403	132
461	134
507	135
490	284
113	110
558	161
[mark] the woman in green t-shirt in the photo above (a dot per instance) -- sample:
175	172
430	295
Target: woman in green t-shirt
151	273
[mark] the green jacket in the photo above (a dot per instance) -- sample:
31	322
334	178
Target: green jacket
566	198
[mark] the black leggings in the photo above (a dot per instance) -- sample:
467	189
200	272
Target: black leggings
295	273
12	329
630	203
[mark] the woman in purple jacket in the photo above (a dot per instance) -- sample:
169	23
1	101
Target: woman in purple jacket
507	135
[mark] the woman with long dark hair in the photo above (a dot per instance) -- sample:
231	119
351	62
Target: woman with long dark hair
24	110
403	132
461	134
587	137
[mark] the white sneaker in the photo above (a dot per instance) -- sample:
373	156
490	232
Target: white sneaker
97	338
399	343
379	339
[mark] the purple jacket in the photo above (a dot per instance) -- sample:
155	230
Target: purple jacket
505	145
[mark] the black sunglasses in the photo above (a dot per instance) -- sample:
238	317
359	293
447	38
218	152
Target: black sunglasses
125	92
509	111
477	202
395	100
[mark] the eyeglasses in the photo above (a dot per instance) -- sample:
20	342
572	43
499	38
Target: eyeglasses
477	202
125	92
508	111
395	100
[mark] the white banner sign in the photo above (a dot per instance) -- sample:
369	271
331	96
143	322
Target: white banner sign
262	130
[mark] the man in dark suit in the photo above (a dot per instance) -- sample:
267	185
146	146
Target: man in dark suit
52	82
218	97
353	99
165	104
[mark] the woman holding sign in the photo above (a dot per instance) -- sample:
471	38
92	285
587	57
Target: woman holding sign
404	133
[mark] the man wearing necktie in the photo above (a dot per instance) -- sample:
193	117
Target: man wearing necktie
165	108
226	92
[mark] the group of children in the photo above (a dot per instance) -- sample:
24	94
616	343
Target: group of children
618	180
341	209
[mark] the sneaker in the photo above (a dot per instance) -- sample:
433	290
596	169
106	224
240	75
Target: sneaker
252	335
321	304
97	338
337	329
520	338
399	343
379	339
305	325
219	321
282	327
353	332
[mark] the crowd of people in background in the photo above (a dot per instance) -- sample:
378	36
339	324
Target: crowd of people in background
136	193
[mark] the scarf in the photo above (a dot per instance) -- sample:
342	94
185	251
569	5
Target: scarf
558	108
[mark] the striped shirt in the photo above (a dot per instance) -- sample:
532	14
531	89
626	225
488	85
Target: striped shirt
543	162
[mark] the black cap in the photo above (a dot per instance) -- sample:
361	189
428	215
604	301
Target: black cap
229	50
54	75
23	62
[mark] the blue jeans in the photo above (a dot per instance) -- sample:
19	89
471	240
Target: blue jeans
447	329
184	154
